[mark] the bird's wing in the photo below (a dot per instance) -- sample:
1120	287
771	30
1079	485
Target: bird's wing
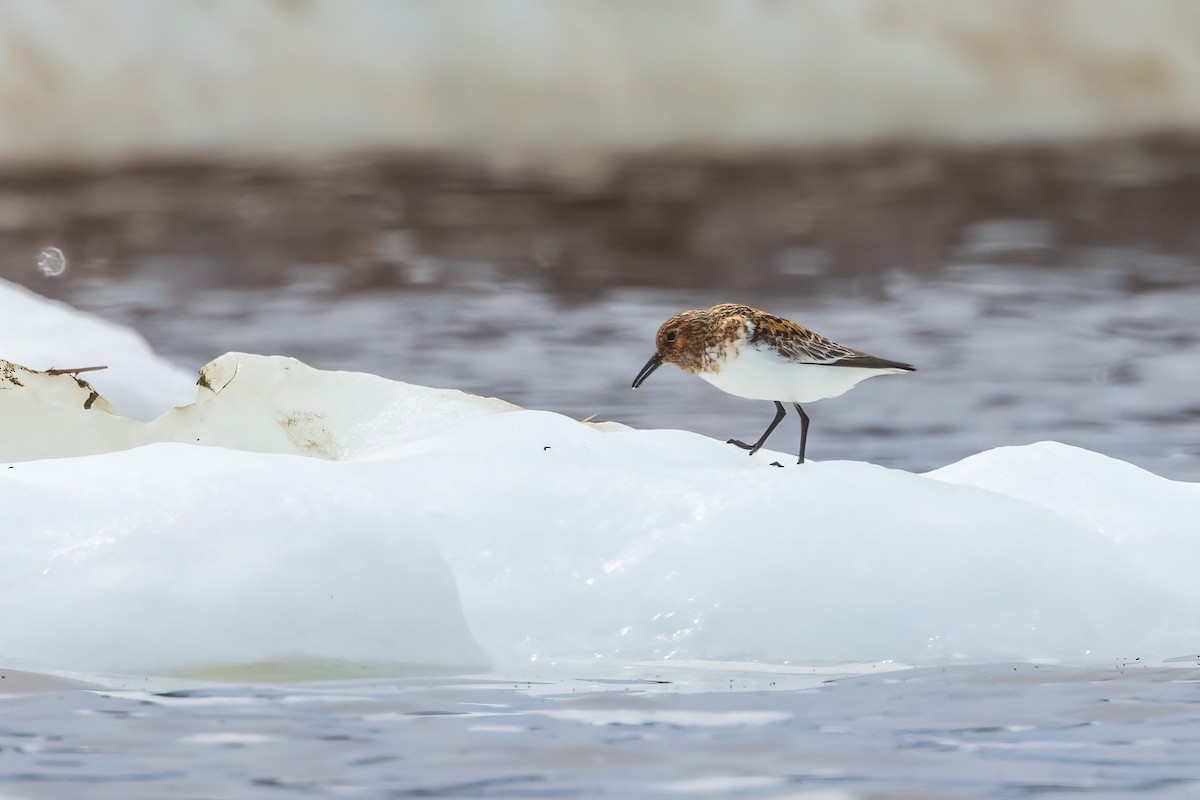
799	344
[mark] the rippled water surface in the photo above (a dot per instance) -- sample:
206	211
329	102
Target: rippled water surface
986	731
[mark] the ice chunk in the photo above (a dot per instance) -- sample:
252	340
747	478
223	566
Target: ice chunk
168	556
44	334
268	404
280	405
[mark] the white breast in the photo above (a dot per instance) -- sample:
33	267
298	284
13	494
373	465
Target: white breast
762	374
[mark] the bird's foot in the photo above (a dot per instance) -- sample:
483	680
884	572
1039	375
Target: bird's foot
753	448
776	464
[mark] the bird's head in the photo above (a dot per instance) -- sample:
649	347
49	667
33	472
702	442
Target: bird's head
680	341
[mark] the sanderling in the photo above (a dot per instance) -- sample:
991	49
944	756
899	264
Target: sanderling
752	354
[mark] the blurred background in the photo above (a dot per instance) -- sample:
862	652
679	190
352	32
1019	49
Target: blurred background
509	197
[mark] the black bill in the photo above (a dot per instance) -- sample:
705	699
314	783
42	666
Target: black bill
654	363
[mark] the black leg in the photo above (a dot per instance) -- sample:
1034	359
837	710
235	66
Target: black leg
753	448
803	431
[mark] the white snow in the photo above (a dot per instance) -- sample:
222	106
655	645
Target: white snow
437	528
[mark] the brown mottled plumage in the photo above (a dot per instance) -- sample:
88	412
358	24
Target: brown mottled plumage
752	354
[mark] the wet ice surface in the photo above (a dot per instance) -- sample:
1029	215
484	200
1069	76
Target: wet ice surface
1102	357
957	731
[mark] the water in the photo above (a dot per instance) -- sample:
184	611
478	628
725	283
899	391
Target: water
999	731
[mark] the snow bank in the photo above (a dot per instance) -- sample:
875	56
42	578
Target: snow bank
532	79
437	528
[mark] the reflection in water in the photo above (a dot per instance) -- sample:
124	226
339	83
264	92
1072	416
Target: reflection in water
1043	293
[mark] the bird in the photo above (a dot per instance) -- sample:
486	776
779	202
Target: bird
759	356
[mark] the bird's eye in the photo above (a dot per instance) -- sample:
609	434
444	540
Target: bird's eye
671	336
